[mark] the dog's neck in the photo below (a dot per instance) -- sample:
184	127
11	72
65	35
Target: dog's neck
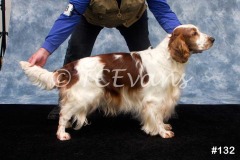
163	46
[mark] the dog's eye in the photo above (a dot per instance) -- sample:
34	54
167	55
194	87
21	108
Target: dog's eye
194	33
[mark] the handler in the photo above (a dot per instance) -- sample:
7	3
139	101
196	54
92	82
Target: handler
84	19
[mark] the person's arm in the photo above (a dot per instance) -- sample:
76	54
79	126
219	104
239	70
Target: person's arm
60	31
164	15
64	26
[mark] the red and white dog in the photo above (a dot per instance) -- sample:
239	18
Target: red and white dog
145	83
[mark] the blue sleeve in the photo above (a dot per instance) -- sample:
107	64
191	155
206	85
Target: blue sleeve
64	26
164	15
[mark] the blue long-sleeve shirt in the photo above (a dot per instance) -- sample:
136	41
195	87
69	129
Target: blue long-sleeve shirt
64	25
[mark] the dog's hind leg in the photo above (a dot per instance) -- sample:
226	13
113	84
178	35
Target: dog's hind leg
64	116
68	110
81	119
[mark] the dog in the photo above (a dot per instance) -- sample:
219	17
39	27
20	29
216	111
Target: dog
146	84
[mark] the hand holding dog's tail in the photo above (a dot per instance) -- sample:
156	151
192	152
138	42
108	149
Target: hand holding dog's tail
39	76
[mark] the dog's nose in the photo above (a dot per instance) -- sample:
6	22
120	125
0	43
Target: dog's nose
212	39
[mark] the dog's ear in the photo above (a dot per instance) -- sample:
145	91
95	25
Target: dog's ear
178	49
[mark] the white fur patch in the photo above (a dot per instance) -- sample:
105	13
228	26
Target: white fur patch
117	56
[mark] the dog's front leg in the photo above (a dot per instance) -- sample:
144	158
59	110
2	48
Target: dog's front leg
165	130
153	121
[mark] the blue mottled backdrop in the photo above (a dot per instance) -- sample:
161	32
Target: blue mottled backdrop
214	76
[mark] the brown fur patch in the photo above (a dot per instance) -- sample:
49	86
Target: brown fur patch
121	71
179	49
66	76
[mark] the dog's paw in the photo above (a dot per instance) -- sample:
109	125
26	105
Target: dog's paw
168	127
166	134
63	136
151	131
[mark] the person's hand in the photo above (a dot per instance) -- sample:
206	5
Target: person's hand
39	58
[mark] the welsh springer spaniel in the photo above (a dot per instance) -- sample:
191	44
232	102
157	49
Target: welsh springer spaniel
146	83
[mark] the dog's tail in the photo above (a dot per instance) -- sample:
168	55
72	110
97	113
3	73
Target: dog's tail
39	76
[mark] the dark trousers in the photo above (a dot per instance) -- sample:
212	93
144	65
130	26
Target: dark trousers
85	34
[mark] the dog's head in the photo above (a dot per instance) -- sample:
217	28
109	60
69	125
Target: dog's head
187	39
